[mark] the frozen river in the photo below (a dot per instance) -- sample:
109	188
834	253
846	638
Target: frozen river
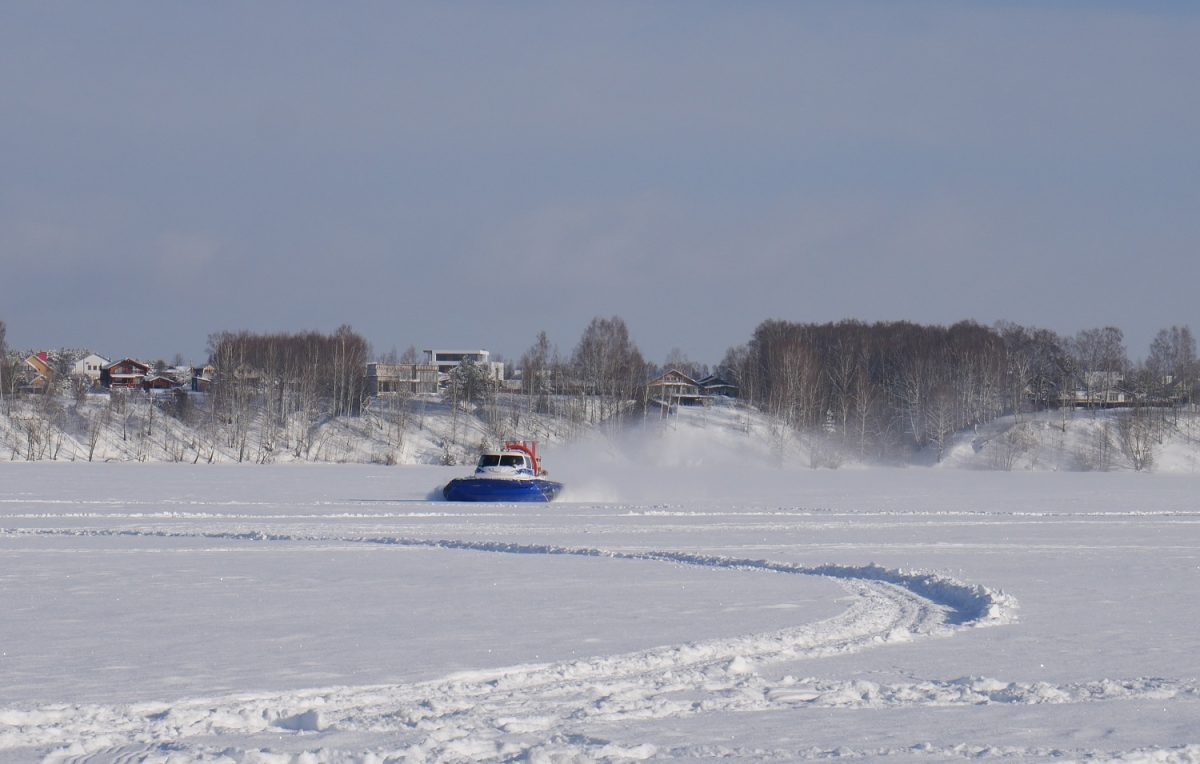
333	613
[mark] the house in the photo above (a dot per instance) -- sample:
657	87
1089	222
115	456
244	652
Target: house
247	376
126	374
402	379
715	385
38	373
89	367
1101	389
1172	391
447	360
160	382
674	388
202	378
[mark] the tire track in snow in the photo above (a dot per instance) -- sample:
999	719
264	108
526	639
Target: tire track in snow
442	721
537	710
501	712
966	604
484	714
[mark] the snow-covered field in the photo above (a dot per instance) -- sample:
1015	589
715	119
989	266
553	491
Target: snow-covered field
695	608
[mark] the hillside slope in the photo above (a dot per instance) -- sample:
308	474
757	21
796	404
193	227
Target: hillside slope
1079	441
728	438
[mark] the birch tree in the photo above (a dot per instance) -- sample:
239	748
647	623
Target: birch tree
608	366
1101	359
1172	364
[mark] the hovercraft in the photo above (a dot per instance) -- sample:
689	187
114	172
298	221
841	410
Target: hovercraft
514	473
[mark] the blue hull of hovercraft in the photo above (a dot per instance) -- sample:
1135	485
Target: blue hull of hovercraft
490	489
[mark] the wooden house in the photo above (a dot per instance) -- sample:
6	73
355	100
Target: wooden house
159	382
126	374
674	388
38	373
716	386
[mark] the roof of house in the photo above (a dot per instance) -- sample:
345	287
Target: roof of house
673	375
714	380
40	362
133	361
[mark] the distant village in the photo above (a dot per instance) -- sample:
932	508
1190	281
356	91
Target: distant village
61	372
64	371
432	376
1103	384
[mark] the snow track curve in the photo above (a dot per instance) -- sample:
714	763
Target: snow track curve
505	712
313	614
528	711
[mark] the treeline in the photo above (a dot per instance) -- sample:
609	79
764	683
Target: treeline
280	386
605	371
886	388
881	389
878	390
296	367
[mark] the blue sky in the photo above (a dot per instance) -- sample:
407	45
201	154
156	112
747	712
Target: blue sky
470	174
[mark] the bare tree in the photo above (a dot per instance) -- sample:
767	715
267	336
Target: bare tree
349	371
844	375
534	365
1172	366
232	392
1101	360
940	418
5	373
905	385
537	374
97	422
121	411
285	384
676	359
1138	434
609	368
1039	368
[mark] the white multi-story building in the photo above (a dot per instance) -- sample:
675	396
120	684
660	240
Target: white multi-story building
447	360
89	366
